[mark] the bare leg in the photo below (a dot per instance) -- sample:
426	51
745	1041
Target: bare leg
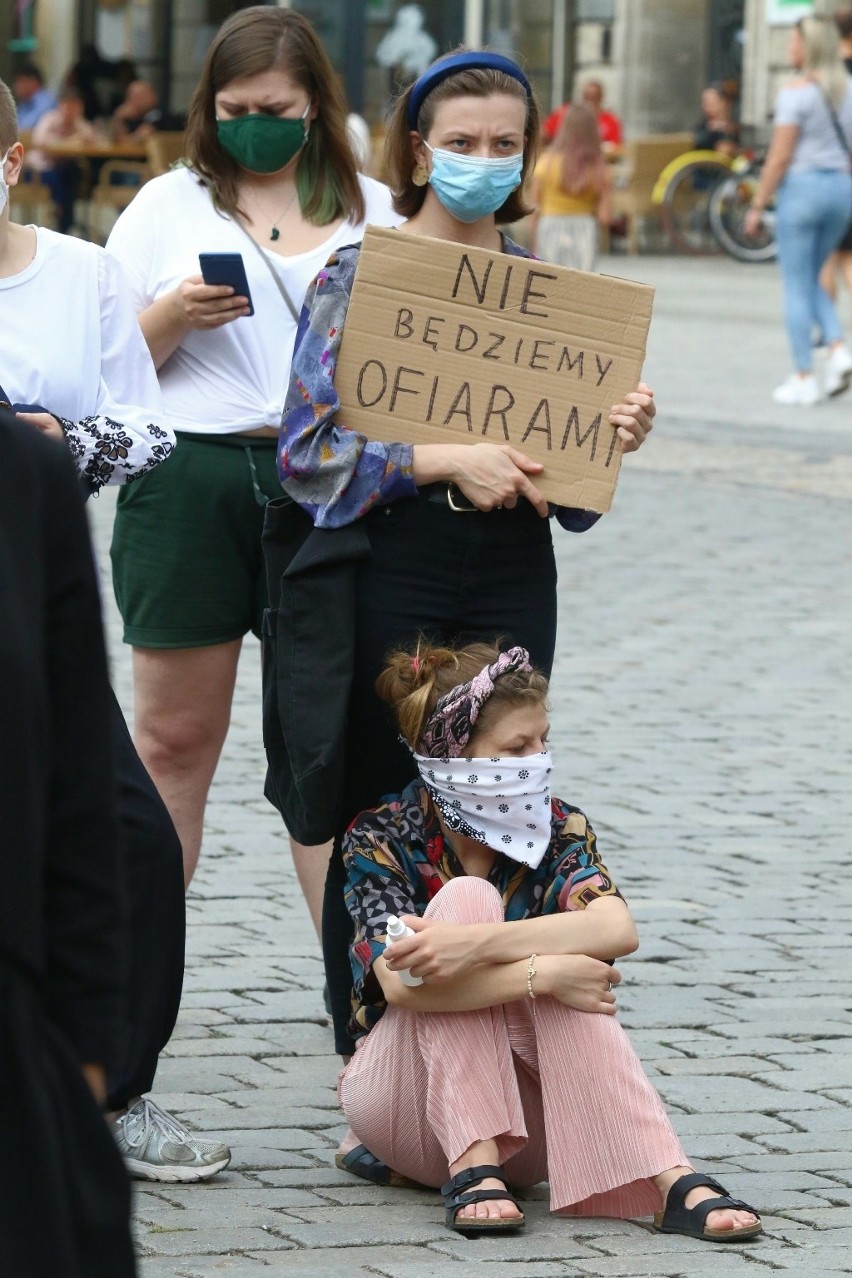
845	263
311	862
716	1219
828	275
183	709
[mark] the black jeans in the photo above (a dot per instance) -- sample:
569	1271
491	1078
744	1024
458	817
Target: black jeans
153	865
458	577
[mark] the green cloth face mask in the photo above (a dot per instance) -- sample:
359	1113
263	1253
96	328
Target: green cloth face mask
262	143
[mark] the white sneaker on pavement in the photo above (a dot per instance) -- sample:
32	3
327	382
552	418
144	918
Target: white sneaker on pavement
155	1146
838	371
802	391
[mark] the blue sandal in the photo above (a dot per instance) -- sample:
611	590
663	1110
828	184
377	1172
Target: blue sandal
454	1198
677	1218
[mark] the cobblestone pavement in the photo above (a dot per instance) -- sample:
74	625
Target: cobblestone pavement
702	718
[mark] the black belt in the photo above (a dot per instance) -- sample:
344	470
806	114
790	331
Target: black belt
446	494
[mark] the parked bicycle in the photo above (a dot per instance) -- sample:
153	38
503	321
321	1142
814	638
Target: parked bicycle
730	201
703	198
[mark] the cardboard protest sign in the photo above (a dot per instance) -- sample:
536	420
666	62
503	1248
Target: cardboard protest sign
445	343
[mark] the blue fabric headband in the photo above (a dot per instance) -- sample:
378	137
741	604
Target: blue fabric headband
448	66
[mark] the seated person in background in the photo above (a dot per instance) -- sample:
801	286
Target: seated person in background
718	130
609	125
507	1065
65	123
32	99
139	115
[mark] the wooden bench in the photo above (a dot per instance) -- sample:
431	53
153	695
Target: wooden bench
633	180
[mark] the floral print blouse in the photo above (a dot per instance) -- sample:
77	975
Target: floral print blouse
397	859
334	473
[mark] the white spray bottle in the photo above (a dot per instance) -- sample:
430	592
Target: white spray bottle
396	930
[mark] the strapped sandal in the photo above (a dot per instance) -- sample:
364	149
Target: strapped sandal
360	1162
677	1218
454	1198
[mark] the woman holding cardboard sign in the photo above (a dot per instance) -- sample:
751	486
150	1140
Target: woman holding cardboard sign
457	536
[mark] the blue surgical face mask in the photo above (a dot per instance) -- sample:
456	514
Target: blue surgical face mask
473	186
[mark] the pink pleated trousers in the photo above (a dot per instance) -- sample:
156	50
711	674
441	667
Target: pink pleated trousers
562	1092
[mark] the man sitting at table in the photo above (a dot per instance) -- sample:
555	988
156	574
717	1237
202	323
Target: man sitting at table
139	115
32	99
65	125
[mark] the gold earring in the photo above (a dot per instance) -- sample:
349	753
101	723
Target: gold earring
420	176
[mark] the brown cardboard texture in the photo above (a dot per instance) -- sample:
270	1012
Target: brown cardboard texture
445	343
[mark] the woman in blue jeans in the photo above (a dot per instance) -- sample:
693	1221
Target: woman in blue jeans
809	164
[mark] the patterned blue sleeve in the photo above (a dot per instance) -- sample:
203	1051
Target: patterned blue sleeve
334	473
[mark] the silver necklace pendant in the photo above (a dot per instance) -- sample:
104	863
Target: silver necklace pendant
275	233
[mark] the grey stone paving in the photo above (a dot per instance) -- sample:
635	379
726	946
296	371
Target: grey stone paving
701	717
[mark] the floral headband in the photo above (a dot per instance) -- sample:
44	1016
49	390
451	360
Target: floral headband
450	725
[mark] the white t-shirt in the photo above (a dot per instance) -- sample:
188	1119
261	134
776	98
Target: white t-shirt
232	378
70	342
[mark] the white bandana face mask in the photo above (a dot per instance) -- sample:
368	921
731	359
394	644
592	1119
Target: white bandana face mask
503	803
4	188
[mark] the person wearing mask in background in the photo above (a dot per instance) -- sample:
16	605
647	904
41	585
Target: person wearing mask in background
33	100
64	1195
270	175
66	123
809	165
571	190
718	130
74	365
840	261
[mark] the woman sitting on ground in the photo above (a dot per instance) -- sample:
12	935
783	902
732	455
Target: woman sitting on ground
516	923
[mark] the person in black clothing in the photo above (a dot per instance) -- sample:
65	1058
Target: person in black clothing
64	1195
718	129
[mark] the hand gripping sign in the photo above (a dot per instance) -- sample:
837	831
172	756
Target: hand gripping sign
449	344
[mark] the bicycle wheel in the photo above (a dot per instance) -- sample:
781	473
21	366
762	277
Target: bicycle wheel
729	204
686	203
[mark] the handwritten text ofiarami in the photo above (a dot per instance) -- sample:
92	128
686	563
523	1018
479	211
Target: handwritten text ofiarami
486	406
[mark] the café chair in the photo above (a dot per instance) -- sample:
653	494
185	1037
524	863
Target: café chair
165	149
118	182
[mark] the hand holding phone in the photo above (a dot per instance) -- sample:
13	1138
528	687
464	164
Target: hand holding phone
226	269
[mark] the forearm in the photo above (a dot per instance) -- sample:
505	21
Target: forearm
776	165
164	326
477	987
601	933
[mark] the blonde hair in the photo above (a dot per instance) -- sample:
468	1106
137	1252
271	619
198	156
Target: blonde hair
8	118
413	682
822	58
579	144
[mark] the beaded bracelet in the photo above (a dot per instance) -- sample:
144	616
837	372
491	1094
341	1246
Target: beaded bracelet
531	972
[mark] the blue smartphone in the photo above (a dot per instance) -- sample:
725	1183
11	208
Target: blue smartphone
226	268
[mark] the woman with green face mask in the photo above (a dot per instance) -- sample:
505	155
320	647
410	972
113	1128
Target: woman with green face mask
269	175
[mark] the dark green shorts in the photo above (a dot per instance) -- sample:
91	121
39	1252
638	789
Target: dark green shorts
186	550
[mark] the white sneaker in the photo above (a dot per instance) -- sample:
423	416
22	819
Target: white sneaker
802	391
838	371
156	1146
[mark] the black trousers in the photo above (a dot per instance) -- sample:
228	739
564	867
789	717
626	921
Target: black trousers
459	577
156	910
64	1192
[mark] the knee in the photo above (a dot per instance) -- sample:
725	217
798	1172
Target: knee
467	900
175	739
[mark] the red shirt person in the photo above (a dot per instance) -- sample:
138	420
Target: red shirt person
609	125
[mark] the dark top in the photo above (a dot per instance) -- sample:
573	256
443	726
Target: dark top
60	907
397	859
